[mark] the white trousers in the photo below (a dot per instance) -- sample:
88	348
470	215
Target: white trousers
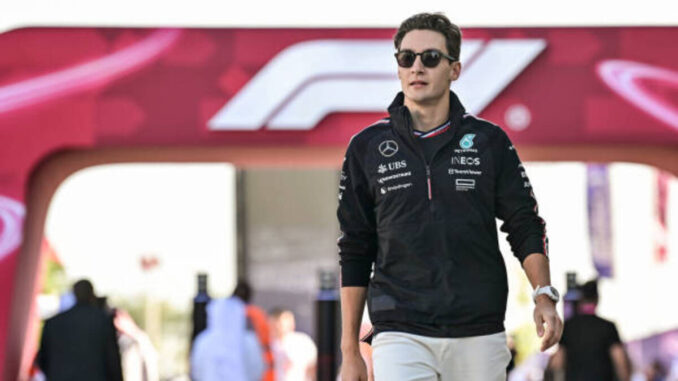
399	356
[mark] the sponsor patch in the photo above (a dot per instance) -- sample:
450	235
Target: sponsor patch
388	148
394	176
467	141
392	188
470	150
470	172
392	166
465	160
465	184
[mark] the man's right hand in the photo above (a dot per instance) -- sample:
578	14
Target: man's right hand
353	367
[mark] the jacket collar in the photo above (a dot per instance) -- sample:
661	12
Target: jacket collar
402	119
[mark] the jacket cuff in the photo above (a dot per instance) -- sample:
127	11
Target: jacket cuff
355	273
532	246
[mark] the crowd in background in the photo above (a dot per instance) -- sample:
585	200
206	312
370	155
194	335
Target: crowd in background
238	341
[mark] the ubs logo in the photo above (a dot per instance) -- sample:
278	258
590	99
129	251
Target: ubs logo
397	165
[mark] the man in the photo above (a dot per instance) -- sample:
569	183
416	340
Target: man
80	343
295	352
590	348
419	193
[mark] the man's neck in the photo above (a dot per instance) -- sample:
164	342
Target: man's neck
429	116
587	308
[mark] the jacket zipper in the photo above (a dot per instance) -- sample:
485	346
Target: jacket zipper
428	168
428	182
429	187
423	158
428	171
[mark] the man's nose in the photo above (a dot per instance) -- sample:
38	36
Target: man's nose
417	66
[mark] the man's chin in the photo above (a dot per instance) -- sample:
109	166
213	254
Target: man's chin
422	99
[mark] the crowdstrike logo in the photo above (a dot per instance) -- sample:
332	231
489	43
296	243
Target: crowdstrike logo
311	79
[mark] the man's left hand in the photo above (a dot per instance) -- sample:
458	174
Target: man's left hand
545	314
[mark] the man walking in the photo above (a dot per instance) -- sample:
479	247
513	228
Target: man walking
419	194
590	348
80	343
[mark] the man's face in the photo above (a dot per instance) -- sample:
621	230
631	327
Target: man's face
283	324
421	84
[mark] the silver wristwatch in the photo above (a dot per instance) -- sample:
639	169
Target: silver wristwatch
549	291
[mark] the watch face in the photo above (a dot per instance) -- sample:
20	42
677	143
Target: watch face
555	292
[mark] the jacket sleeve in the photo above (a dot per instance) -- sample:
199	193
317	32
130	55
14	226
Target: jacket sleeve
515	203
358	239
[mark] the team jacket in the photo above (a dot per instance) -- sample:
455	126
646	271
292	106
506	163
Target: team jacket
428	230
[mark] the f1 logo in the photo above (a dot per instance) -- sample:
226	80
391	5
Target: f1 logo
311	79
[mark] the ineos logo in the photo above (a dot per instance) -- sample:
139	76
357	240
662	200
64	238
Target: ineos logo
464	160
388	148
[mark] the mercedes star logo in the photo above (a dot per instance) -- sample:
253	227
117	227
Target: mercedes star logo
388	148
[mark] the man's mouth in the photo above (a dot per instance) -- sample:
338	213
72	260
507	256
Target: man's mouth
418	83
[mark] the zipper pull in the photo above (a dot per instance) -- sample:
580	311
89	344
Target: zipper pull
428	182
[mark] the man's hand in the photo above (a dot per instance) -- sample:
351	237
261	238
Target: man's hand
353	367
545	313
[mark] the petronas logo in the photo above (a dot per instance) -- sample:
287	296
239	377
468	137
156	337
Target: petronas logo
467	141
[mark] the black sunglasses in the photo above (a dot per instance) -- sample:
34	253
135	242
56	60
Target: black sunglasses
430	58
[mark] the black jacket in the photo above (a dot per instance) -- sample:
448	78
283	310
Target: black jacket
80	344
429	228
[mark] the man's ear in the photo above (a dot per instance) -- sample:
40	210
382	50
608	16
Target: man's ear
456	71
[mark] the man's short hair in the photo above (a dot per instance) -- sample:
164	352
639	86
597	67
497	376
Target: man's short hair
437	22
84	291
276	312
589	291
243	291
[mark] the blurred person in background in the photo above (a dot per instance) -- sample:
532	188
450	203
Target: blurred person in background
226	349
257	320
511	344
419	195
656	372
199	313
80	343
295	354
138	355
590	349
